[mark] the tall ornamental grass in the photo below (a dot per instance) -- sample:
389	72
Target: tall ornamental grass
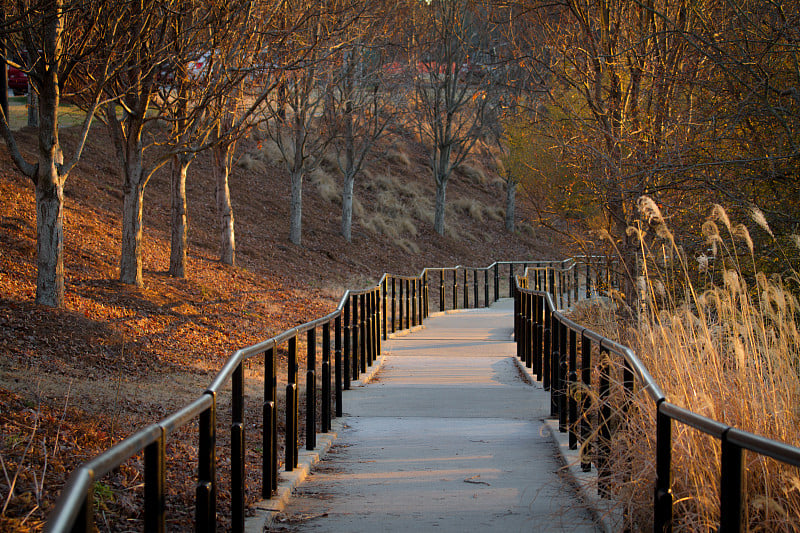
721	338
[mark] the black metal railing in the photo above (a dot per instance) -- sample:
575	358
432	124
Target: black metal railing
351	341
548	343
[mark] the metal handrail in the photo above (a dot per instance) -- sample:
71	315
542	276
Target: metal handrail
361	320
541	332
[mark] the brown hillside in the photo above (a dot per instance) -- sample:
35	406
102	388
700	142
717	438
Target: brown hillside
74	381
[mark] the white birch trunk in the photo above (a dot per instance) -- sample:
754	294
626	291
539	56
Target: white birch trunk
511	200
130	263
179	219
222	157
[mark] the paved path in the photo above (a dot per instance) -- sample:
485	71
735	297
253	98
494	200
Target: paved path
447	437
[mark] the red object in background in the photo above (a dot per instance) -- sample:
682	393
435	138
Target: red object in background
17	80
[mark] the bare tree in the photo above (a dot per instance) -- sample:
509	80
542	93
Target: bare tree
293	119
364	100
55	38
452	94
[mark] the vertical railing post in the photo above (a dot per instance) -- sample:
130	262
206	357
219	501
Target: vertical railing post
572	389
662	506
475	288
154	483
441	291
348	336
496	281
455	288
326	378
517	322
401	307
383	315
731	475
466	288
290	461
555	363
562	377
604	434
414	300
546	346
369	330
311	389
269	441
426	296
363	315
511	280
206	491
362	334
378	319
529	330
337	350
486	302
356	337
394	305
586	401
408	303
537	336
237	449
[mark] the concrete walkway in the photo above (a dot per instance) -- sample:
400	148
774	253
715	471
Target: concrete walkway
447	437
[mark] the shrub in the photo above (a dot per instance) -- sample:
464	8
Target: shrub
723	343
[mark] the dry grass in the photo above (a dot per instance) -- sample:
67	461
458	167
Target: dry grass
473	173
326	185
399	156
471	208
252	163
728	349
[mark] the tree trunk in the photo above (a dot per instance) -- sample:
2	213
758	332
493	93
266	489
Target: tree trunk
511	201
347	208
179	221
438	220
296	214
222	157
49	238
130	264
49	200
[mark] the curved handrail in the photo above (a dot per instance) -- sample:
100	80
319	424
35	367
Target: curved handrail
75	502
536	337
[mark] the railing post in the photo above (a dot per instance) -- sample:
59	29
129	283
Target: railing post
394	305
529	330
378	320
455	288
486	302
347	344
326	378
662	506
517	321
496	281
154	482
311	389
426	296
237	449
269	442
511	280
337	350
441	291
562	377
414	300
466	288
604	436
356	336
408	304
586	403
731	475
291	408
555	363
401	307
383	304
537	336
572	389
547	346
362	340
475	288
206	491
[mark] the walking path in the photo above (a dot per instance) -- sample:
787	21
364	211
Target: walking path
448	436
